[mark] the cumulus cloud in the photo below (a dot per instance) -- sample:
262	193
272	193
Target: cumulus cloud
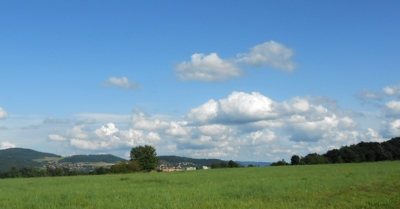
259	138
207	68
392	109
142	120
122	82
271	54
238	107
366	95
52	120
240	126
7	145
390	128
213	68
105	137
3	113
298	119
393	90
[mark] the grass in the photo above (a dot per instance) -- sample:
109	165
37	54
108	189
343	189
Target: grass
364	185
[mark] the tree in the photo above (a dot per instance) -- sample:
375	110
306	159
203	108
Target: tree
223	164
146	156
279	163
233	164
295	160
215	165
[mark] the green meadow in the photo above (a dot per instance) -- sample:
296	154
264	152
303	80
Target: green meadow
363	185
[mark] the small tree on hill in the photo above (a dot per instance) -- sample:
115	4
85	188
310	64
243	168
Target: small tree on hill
146	156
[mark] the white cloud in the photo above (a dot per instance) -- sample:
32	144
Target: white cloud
177	129
213	68
240	126
392	109
259	138
3	128
122	82
393	90
106	130
271	54
388	91
317	149
205	113
374	135
88	145
238	107
56	137
141	120
207	68
7	145
78	132
3	113
391	128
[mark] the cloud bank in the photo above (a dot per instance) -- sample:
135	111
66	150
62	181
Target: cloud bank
243	125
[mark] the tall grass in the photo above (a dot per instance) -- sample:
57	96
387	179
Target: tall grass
364	185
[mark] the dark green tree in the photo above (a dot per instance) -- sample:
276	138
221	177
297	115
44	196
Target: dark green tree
233	164
215	165
146	156
295	160
279	163
223	164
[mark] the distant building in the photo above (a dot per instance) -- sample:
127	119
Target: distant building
190	168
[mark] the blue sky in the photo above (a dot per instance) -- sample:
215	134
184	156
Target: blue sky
259	80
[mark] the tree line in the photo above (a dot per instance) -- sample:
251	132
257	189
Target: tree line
143	158
223	164
361	152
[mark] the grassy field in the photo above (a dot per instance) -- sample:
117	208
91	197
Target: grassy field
365	185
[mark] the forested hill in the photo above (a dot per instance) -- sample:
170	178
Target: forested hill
25	158
25	153
356	153
175	159
20	158
91	159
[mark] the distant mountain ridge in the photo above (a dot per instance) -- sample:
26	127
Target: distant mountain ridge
171	159
106	158
21	157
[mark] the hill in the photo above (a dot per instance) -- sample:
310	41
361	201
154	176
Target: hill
196	162
107	158
20	157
